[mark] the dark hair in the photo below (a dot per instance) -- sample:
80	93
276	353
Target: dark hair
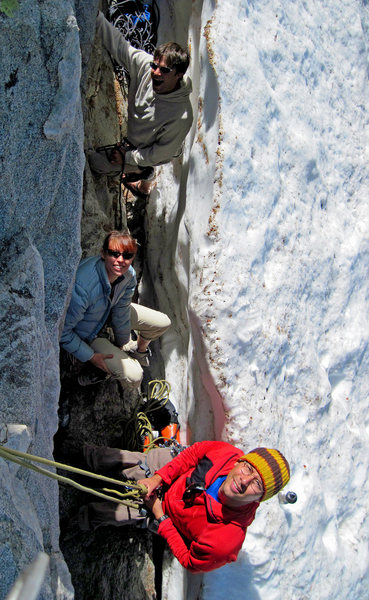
121	240
175	56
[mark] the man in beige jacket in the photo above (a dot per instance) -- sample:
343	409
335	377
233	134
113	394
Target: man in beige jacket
159	108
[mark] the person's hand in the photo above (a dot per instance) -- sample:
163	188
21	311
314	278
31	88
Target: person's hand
154	504
151	483
98	360
117	157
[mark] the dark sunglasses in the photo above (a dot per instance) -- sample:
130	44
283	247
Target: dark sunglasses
155	66
117	254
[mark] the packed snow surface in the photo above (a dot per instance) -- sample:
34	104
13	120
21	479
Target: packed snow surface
272	261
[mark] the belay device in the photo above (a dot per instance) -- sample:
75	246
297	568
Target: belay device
138	20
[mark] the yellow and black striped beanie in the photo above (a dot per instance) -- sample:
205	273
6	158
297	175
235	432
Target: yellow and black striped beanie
272	467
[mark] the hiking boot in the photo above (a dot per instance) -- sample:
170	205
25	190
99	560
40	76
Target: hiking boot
142	357
139	189
92	377
143	174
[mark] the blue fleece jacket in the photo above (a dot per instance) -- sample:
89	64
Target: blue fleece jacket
91	305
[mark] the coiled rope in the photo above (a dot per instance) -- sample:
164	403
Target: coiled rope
138	427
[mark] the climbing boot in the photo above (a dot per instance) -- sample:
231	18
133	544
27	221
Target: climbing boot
89	376
142	357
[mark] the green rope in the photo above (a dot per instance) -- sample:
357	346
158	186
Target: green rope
139	425
130	498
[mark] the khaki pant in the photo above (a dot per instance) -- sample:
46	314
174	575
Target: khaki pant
131	465
150	324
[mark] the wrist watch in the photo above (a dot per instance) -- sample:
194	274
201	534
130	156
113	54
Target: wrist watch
154	524
162	518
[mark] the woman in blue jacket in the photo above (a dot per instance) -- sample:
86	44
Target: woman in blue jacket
103	289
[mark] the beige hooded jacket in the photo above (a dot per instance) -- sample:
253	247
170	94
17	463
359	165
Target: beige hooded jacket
157	123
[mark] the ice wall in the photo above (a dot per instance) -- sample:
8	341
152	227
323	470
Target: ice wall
268	237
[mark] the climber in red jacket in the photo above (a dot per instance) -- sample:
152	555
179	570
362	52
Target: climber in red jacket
208	496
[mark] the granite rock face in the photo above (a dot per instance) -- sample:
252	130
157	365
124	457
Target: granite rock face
48	56
42	161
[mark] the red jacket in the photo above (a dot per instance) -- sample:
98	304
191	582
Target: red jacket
206	535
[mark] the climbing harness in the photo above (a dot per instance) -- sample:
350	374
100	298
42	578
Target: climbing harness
145	173
138	20
121	147
130	496
192	491
157	412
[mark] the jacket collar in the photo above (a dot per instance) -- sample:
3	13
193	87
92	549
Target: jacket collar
100	266
237	516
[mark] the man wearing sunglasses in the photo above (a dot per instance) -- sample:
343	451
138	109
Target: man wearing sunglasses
159	109
203	500
102	292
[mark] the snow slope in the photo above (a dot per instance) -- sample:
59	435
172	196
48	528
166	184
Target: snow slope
269	241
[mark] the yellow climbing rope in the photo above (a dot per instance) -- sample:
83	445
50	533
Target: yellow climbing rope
138	427
130	497
136	430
